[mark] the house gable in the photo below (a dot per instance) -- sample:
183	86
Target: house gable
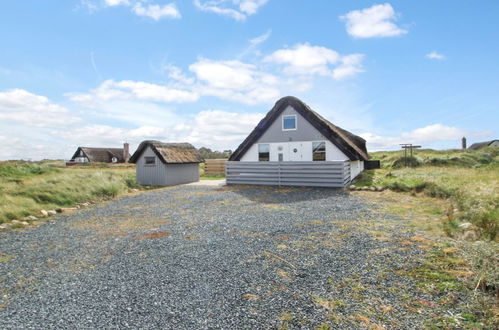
304	130
352	146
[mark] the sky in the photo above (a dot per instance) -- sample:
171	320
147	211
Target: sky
101	72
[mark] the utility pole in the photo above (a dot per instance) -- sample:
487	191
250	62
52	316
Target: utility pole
409	146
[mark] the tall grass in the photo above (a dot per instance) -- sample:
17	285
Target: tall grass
469	180
26	188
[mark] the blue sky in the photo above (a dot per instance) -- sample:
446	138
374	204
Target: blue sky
99	72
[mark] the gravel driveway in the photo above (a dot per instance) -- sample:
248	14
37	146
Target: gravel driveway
190	257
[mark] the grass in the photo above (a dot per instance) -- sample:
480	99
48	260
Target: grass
28	187
468	180
459	275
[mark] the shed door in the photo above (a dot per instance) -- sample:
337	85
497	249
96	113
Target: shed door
295	151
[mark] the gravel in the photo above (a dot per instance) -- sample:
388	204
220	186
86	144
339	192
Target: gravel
189	257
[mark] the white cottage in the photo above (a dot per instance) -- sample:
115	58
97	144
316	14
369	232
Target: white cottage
165	164
294	145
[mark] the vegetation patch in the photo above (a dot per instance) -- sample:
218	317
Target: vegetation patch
467	180
28	187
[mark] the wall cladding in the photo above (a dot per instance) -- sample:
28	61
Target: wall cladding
314	174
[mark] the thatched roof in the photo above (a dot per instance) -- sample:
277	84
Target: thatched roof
104	155
353	146
480	145
169	153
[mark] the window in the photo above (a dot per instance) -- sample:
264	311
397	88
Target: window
150	160
288	123
263	152
318	151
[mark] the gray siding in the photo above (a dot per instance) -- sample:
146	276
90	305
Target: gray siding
182	173
304	130
162	174
150	174
315	174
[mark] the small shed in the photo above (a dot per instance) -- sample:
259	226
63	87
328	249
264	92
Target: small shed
164	164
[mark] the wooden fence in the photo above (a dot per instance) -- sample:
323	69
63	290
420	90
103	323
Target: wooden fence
315	174
214	166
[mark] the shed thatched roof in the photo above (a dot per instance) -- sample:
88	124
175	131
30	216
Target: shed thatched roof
480	145
353	146
169	153
104	155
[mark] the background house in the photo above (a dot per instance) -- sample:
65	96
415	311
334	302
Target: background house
164	164
294	138
102	155
480	145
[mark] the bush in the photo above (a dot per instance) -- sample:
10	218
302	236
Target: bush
484	258
406	162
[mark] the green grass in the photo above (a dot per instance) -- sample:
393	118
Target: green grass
469	180
27	187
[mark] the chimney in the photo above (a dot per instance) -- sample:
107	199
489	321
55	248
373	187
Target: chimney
126	152
463	143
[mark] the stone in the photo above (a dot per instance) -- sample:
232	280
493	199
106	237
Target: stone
372	188
365	188
465	225
15	222
52	212
44	213
470	235
25	223
85	204
31	218
5	226
352	187
66	209
380	188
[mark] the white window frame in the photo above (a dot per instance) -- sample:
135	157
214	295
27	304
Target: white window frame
290	129
325	151
262	144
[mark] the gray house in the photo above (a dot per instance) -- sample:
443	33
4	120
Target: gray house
480	145
165	164
295	146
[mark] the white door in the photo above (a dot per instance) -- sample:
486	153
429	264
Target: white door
295	151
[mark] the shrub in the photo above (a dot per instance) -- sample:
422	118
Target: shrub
404	162
484	258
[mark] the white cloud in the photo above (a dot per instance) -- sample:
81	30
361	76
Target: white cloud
373	22
260	39
221	129
112	3
157	12
19	105
236	81
139	7
427	136
236	9
128	89
304	59
435	56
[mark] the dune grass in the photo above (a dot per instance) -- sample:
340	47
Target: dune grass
27	187
469	180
